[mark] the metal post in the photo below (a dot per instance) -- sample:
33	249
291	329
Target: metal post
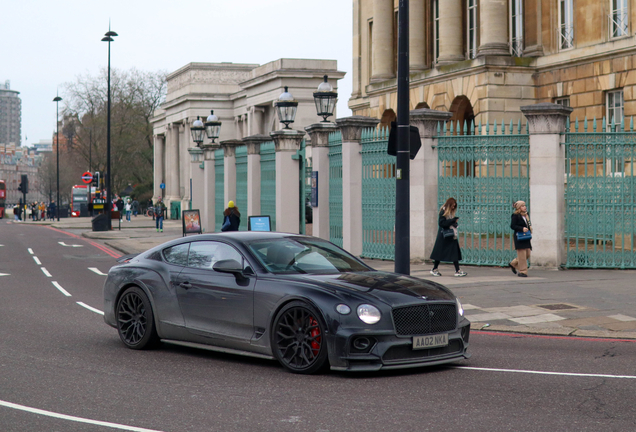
57	152
109	196
402	193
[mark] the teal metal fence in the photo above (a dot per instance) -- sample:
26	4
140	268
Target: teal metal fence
335	188
219	194
486	169
268	181
378	195
241	184
600	196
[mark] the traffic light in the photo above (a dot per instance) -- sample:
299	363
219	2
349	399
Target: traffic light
95	181
25	184
20	187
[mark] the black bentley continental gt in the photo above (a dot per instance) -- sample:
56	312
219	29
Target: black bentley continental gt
297	299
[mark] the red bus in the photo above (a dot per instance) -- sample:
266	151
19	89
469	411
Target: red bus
79	200
3	197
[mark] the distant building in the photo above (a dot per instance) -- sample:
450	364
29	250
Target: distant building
44	146
10	116
15	162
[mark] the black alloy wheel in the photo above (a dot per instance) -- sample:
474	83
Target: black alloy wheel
298	338
135	320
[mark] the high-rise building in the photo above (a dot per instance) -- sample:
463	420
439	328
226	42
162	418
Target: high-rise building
10	115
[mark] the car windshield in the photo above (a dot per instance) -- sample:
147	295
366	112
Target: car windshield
303	255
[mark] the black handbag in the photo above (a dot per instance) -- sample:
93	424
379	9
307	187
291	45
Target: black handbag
448	233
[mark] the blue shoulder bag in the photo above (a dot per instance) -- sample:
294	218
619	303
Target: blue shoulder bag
523	235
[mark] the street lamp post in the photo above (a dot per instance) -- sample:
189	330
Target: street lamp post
286	107
108	37
325	99
57	151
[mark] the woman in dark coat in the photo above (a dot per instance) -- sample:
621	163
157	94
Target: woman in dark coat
520	223
235	217
447	248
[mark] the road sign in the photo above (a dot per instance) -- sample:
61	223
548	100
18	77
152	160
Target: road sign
87	177
162	186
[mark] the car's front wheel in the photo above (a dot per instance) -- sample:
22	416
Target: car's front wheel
298	338
135	320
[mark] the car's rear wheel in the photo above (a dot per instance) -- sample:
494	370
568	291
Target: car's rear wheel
135	320
298	338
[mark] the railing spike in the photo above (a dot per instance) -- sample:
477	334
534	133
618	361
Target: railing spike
594	125
519	127
585	124
576	124
479	126
604	125
631	124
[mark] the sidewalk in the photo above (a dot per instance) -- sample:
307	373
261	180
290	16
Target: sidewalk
590	303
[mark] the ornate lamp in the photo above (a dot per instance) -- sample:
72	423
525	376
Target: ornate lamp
286	107
325	99
212	126
198	131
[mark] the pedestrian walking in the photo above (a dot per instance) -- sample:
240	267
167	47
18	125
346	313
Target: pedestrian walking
447	243
159	209
135	207
120	207
128	208
150	207
520	224
231	218
16	213
42	210
52	210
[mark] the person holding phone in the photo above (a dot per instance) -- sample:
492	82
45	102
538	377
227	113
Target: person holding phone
447	243
520	223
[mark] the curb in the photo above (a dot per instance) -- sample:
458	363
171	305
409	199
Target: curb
553	331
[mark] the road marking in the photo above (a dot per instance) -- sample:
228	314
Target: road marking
45	271
37	261
30	251
73	245
546	373
90	308
62	290
5	274
96	270
73	418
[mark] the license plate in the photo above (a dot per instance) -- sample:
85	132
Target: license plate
425	342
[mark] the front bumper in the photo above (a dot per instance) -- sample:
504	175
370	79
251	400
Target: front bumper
389	351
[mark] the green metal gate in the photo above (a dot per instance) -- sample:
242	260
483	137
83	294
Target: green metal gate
600	196
486	170
241	183
304	184
219	193
378	195
268	181
335	188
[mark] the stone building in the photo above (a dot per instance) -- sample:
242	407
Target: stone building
242	96
484	59
10	115
13	163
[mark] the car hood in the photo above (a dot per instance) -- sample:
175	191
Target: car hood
390	288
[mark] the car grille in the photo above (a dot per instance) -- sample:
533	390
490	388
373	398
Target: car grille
424	319
405	352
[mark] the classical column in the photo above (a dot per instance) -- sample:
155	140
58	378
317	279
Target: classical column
253	144
423	181
158	165
547	124
208	211
351	129
382	46
229	168
451	41
357	50
493	28
196	157
319	134
172	164
255	121
417	27
287	142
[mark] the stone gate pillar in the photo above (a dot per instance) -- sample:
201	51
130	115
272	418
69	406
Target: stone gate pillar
158	174
229	169
547	123
287	142
351	129
319	134
253	144
423	183
196	157
208	211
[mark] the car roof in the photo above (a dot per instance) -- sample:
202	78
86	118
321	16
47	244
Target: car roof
236	237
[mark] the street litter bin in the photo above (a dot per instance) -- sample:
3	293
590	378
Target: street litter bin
100	222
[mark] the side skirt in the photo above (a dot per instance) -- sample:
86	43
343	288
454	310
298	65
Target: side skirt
217	349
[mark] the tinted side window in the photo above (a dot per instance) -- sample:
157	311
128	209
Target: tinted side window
204	254
177	255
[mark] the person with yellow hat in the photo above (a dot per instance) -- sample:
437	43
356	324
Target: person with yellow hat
231	218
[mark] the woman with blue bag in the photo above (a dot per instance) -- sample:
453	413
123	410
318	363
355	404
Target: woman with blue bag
231	218
446	243
520	224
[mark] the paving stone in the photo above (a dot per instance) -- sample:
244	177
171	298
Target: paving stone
517	311
537	319
487	317
622	317
618	326
597	320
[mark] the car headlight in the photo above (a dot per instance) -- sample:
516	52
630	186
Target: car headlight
460	308
343	309
369	314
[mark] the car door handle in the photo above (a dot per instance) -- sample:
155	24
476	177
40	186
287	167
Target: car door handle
186	285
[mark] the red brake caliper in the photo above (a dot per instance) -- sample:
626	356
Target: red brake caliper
315	334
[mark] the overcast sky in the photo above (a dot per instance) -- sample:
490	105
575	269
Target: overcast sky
45	43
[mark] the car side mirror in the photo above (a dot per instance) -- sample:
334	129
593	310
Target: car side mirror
228	266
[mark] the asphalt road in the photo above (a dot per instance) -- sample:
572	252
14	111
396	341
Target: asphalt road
63	369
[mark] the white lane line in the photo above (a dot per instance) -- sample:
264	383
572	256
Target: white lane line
96	270
5	274
30	251
71	245
90	308
546	373
62	290
73	418
37	261
45	271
